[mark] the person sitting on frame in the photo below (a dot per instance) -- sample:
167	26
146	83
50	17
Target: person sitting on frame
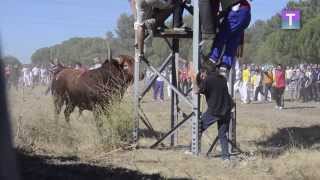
152	14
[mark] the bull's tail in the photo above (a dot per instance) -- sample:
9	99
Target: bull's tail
48	90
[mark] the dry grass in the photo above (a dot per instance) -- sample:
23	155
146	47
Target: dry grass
118	125
283	144
35	129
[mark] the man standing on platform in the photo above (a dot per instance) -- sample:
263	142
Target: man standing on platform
231	32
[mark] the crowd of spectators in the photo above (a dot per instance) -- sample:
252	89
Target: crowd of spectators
261	82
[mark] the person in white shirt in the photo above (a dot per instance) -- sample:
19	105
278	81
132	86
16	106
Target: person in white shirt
168	87
26	76
43	75
289	72
246	82
97	63
35	75
237	82
148	76
158	88
78	66
96	66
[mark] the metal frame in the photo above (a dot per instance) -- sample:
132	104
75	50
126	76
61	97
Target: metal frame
176	95
136	90
233	121
195	127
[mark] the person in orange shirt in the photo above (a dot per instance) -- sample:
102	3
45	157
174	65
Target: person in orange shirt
267	83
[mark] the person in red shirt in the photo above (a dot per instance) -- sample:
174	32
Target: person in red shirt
184	79
279	86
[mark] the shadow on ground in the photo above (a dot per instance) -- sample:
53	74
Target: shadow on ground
146	133
286	138
35	167
300	107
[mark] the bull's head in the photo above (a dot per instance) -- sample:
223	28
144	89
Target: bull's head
126	66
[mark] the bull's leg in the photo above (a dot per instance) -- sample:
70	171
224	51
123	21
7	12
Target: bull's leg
98	120
58	103
67	112
80	112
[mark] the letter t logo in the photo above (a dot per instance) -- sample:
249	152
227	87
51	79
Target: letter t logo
290	15
290	19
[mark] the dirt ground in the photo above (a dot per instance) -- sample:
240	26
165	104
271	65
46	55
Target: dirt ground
277	144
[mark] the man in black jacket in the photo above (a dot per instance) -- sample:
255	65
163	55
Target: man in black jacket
214	87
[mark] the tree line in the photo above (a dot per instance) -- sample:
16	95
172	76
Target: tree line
265	42
11	60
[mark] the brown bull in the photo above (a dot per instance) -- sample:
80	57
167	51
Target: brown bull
94	89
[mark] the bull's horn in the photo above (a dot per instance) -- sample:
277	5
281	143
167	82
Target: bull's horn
109	52
55	61
119	59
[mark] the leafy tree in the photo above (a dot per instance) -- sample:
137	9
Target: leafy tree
265	42
11	60
125	33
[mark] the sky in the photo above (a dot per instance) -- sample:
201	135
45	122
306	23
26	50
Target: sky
27	25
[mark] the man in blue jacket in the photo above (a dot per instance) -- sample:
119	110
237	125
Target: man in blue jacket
231	31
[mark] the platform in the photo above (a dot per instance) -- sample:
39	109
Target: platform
170	33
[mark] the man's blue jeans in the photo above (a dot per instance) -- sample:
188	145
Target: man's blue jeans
158	89
223	123
230	33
